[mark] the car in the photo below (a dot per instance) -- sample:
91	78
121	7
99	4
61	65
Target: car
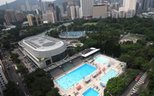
17	83
137	78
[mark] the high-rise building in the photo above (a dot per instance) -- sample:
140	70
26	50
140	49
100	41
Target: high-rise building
64	7
128	9
19	16
34	19
31	19
50	15
86	8
28	5
74	11
3	80
58	13
41	6
147	5
100	11
114	13
9	16
77	11
129	4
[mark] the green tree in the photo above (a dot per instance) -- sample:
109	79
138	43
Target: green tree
11	89
40	84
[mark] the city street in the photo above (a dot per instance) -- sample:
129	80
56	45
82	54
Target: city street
134	86
13	76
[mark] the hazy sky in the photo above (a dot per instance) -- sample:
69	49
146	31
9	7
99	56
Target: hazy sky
8	1
4	1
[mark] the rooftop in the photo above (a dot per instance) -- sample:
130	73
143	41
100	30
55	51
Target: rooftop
42	43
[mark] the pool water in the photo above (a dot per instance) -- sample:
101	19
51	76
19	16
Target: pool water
101	60
72	34
91	92
72	78
110	74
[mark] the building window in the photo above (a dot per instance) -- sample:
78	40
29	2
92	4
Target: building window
48	62
59	57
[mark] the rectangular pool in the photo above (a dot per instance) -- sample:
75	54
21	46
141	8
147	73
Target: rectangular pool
90	92
110	74
101	60
73	77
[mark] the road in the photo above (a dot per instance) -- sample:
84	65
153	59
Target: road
13	76
129	88
135	84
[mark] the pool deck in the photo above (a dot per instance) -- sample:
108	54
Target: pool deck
94	81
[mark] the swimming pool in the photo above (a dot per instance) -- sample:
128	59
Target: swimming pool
72	34
91	92
110	74
73	77
101	60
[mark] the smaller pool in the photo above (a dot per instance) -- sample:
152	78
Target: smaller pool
90	92
101	60
72	34
110	74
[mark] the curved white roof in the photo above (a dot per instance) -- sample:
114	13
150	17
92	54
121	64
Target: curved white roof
43	43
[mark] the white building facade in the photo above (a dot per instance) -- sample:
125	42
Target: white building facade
128	9
43	50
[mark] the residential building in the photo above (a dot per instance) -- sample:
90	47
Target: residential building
31	19
86	7
50	15
74	11
19	16
100	11
34	20
3	80
128	9
28	6
9	16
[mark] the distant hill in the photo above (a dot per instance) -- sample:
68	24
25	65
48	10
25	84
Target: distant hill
16	4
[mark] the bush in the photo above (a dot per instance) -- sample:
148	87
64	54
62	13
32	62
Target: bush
39	84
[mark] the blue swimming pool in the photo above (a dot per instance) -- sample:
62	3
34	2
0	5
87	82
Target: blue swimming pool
101	60
72	34
91	92
72	78
110	74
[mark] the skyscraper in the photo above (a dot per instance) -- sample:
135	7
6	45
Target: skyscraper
19	16
147	5
74	11
100	11
50	15
128	9
31	19
86	8
129	5
28	5
9	16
